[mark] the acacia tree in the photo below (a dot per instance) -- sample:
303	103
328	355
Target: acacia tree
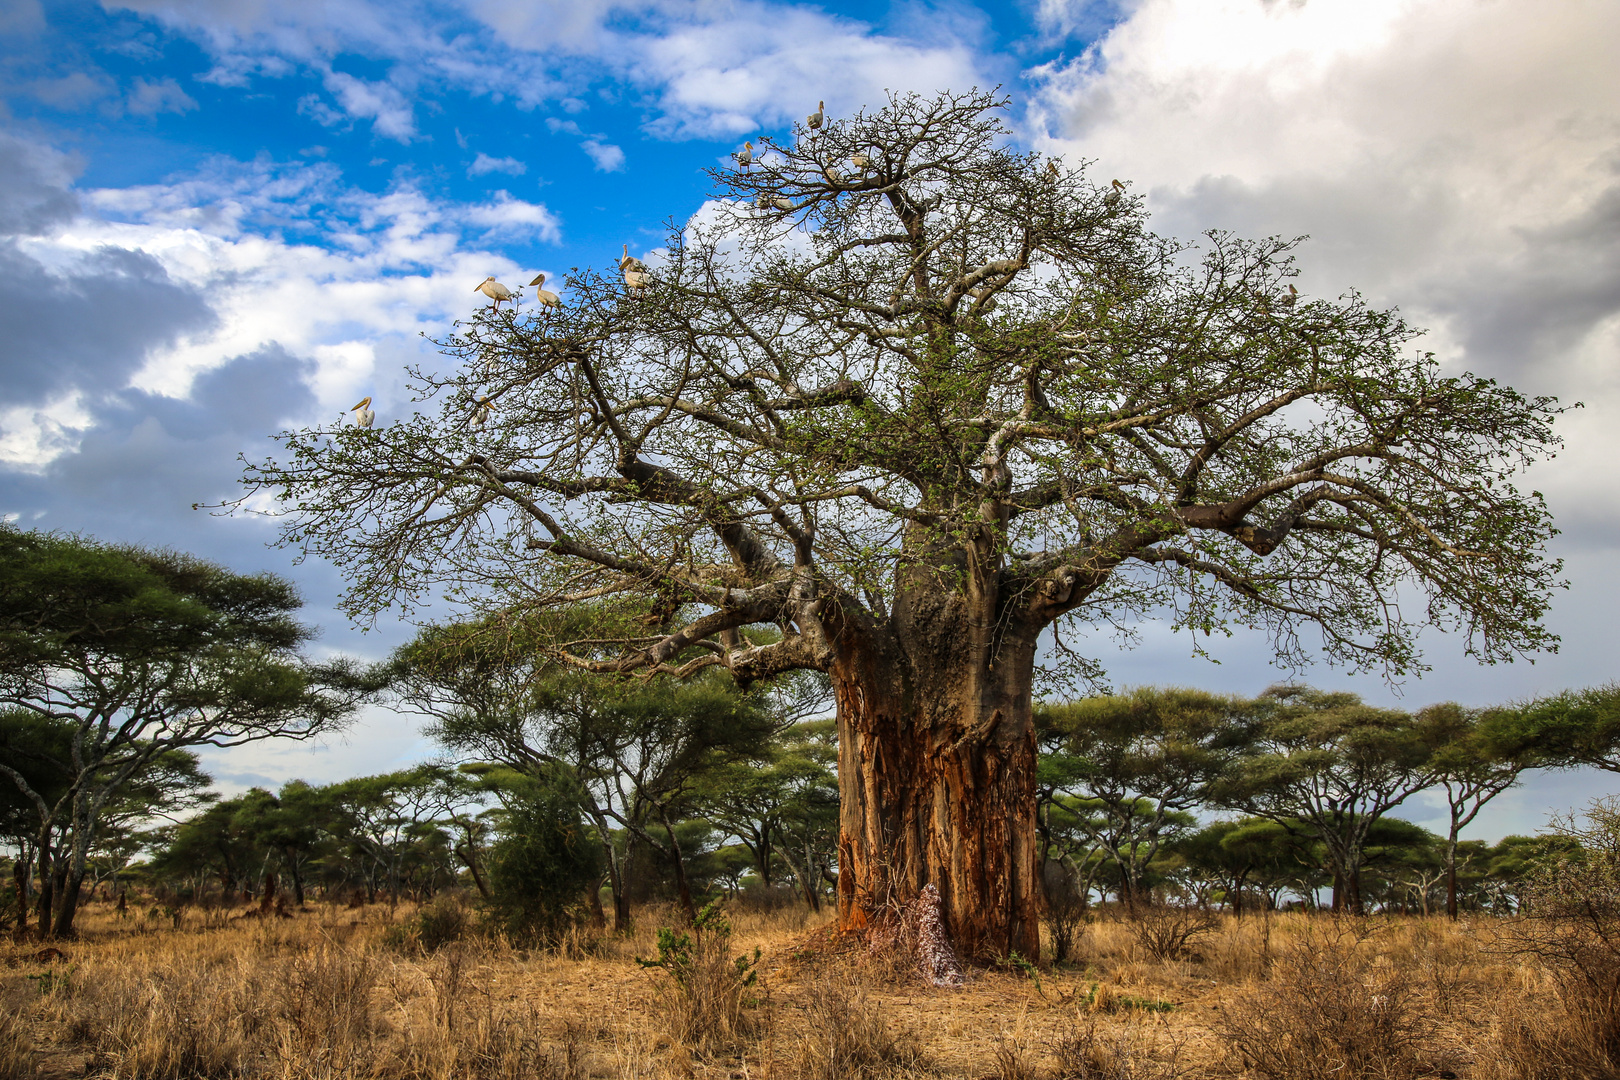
1150	755
637	751
1477	755
913	396
1332	767
131	655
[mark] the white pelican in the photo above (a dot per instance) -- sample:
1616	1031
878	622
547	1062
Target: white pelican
635	272
782	204
547	299
363	414
628	261
833	175
482	411
745	156
860	161
494	290
813	121
1114	194
1292	298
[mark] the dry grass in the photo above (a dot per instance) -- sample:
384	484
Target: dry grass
341	994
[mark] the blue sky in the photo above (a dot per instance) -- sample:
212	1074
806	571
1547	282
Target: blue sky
219	218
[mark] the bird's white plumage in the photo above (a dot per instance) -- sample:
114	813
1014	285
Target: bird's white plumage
814	120
494	290
745	156
860	161
363	415
545	297
635	272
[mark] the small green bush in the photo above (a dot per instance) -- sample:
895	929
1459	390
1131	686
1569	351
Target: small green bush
707	998
539	871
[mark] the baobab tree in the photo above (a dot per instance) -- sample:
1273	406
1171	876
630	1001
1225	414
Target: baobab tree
893	404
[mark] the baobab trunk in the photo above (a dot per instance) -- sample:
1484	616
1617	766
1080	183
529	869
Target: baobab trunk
936	773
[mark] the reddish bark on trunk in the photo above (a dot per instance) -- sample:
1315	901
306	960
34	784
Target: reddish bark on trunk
937	781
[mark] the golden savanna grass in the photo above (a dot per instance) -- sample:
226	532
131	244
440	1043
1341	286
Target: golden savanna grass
335	993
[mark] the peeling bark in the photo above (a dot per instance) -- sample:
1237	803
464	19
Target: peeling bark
937	780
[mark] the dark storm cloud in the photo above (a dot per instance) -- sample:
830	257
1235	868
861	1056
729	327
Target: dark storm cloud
1529	311
89	325
147	458
34	192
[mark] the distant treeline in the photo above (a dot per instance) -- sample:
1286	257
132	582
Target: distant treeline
562	794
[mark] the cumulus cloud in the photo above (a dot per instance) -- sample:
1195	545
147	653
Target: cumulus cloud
34	192
483	165
382	103
234	260
1456	159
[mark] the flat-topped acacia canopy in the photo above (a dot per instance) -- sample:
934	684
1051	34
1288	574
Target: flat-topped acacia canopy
912	414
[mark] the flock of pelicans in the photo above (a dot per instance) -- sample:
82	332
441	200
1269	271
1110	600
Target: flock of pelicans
636	275
633	269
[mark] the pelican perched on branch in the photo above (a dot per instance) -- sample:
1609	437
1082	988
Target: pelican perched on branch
546	298
363	415
1114	194
482	411
814	120
745	156
1292	298
634	270
860	161
494	290
833	175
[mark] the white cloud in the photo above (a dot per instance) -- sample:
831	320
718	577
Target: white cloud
72	91
382	103
150	98
286	255
767	64
510	219
483	164
29	437
711	69
608	158
1458	159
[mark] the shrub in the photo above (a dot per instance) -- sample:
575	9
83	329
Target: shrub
443	921
1133	1052
1572	926
1066	914
706	998
1167	933
1332	1008
847	1037
539	871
